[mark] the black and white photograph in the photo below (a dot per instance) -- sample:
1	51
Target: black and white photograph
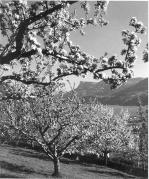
74	89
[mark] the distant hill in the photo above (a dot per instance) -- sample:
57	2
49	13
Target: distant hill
125	95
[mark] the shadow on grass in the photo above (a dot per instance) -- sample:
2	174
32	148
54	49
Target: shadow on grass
14	168
18	169
8	176
117	174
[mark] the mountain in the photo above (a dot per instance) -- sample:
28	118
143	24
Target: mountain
125	95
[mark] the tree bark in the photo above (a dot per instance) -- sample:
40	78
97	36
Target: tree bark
105	158
56	162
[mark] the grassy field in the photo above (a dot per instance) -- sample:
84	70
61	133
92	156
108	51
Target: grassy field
18	162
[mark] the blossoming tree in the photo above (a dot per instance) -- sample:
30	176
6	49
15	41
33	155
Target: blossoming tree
39	49
111	132
55	122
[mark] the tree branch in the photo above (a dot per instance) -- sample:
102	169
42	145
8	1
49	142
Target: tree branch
109	68
21	32
58	134
34	81
28	82
46	143
68	144
18	78
45	129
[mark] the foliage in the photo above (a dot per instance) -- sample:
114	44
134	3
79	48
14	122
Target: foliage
39	49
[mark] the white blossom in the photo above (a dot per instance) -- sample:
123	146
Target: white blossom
24	2
64	52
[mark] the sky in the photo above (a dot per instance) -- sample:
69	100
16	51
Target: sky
99	40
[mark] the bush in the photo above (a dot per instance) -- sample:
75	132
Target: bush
89	158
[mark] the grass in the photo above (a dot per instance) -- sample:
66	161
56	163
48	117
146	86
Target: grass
18	162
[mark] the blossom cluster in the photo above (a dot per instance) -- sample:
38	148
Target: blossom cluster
47	41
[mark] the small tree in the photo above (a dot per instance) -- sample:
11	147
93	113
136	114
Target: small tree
51	120
111	132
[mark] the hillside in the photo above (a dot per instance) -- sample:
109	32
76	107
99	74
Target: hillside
125	95
16	162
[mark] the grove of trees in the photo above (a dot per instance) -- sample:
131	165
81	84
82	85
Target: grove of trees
62	124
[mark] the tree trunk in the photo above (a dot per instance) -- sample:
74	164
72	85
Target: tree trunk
56	162
105	158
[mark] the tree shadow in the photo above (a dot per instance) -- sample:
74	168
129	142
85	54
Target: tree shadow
8	176
15	168
20	169
112	173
